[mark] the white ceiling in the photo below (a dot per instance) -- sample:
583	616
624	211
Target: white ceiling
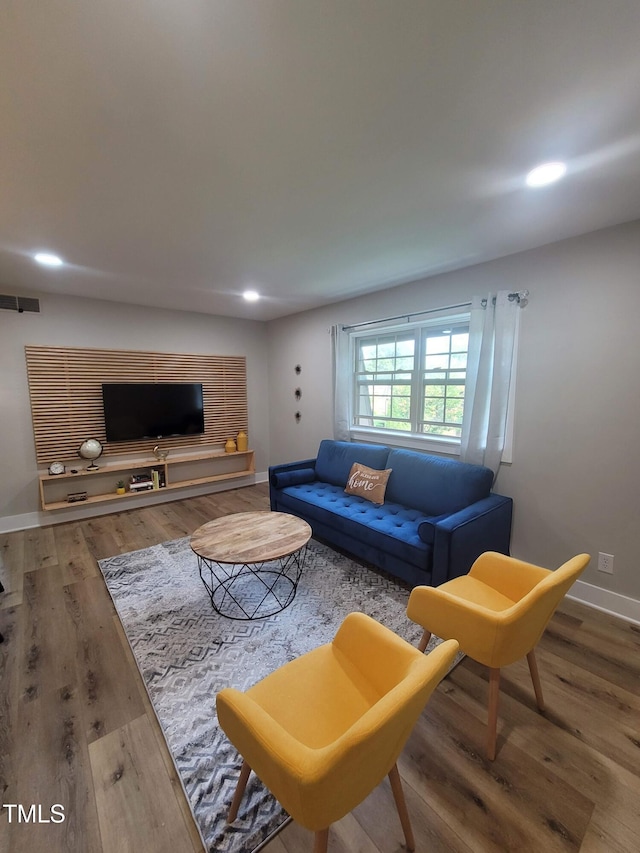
176	152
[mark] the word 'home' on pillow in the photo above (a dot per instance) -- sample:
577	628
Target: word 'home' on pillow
367	483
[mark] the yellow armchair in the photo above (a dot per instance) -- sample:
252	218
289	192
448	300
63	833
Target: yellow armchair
497	612
325	729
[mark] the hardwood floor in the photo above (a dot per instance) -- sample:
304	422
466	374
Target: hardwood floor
77	729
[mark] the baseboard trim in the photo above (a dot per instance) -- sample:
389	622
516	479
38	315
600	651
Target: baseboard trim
28	520
13	523
608	602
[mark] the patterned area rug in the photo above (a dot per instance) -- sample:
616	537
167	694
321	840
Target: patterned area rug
186	653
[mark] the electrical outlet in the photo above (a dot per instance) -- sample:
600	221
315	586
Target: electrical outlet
605	563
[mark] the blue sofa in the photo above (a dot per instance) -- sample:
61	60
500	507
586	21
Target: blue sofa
438	514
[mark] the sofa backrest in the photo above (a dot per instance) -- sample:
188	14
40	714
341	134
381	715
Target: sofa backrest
434	485
335	459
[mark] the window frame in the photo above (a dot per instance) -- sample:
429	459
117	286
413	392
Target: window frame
402	438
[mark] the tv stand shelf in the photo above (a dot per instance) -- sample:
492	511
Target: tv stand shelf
177	472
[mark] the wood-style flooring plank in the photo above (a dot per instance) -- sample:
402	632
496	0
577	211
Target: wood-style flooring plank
605	835
136	808
276	845
101	537
110	692
345	836
51	758
11	568
10	691
605	653
173	521
378	815
39	549
48	653
74	556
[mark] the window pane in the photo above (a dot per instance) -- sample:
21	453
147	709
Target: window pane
439	344
455	390
434	390
454	411
405	363
460	342
433	409
436	362
400	407
389	396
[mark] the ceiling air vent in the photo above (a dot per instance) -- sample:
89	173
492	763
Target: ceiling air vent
19	303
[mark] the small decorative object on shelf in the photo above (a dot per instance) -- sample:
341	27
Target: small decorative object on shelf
75	497
90	449
160	454
242	441
230	446
140	483
120	489
56	468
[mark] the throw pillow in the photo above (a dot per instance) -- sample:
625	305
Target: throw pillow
367	483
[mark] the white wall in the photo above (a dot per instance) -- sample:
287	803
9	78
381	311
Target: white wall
576	469
73	322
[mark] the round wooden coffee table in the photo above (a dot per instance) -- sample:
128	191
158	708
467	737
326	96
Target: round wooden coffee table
250	562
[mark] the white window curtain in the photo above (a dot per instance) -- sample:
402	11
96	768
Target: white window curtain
492	335
342	379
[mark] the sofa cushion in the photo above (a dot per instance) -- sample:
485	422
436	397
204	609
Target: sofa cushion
335	459
433	484
367	483
390	528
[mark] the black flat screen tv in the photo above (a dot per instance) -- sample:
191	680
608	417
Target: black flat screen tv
136	410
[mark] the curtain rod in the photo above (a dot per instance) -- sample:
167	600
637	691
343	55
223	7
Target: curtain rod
407	317
518	296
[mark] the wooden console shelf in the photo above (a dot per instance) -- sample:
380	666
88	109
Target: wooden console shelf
177	472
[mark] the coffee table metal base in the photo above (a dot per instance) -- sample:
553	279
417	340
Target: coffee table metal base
248	591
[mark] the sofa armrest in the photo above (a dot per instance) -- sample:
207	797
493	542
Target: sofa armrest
461	537
291	466
282	479
289	474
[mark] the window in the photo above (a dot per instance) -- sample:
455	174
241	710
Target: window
412	380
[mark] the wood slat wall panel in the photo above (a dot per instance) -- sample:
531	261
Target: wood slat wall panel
65	389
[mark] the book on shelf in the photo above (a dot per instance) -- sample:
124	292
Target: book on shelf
140	482
141	487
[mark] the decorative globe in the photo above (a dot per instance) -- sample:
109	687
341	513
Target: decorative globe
90	449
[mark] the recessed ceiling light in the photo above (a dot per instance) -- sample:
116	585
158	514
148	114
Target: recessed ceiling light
545	174
251	295
47	259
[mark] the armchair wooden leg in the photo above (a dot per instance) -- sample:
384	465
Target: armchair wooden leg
245	770
492	722
535	678
321	841
424	641
401	805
